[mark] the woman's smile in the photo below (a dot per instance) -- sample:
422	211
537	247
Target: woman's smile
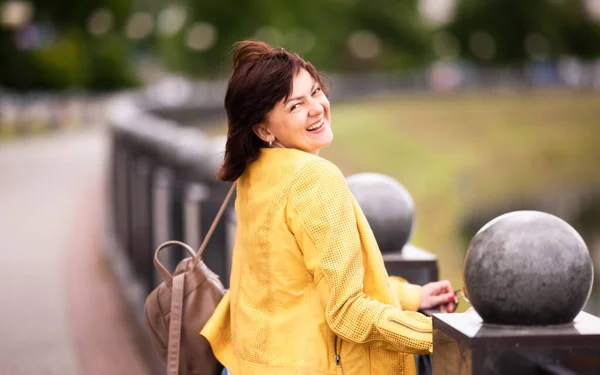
317	126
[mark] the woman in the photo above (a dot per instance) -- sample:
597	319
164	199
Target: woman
309	291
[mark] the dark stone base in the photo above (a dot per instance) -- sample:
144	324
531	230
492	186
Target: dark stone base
463	345
413	264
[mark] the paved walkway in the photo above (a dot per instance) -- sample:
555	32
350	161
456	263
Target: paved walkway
62	312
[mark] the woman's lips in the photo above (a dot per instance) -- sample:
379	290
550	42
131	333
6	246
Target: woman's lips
316	127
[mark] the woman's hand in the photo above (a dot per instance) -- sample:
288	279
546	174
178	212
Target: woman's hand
438	295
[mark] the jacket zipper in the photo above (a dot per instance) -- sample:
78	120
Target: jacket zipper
338	349
410	327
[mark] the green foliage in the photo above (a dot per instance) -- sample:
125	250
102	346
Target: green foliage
564	24
108	65
319	30
73	61
322	25
60	67
69	14
66	56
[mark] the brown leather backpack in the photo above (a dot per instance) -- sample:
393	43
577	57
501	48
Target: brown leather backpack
177	310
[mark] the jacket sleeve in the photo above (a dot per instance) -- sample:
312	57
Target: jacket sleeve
408	294
321	216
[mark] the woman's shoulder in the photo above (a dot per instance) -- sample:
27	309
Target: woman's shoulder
320	167
317	170
296	170
317	183
301	162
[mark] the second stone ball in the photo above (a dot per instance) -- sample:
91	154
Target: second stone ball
388	207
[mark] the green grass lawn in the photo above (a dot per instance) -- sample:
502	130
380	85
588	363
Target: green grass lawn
458	153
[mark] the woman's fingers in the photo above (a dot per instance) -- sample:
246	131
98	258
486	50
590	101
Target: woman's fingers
439	295
446	286
442	299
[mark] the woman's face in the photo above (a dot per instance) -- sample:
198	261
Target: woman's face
302	121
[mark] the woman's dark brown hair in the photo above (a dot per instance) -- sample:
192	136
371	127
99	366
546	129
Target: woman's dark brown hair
262	76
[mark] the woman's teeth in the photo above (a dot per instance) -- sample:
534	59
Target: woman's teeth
316	126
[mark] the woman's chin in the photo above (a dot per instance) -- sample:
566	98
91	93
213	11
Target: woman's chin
321	145
328	142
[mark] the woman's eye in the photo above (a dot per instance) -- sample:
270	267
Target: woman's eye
295	106
317	90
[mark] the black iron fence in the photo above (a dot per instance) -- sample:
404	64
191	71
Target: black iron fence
163	188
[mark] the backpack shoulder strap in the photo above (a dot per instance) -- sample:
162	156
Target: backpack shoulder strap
214	223
175	324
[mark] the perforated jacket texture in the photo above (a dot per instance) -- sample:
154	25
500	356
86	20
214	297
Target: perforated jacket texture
309	291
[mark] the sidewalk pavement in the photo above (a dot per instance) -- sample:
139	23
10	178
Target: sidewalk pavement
62	311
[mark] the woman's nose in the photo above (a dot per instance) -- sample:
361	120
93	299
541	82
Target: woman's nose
316	108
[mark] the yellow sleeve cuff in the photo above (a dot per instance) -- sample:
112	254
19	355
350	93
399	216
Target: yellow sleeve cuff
409	295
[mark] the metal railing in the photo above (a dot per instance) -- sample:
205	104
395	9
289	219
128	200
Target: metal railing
163	188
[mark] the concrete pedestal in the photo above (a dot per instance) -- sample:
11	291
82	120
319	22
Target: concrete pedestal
414	264
463	344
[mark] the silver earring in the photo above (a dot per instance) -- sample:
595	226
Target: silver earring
270	143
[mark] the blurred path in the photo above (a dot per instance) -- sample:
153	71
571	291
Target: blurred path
61	309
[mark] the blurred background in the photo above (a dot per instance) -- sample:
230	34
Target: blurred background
476	107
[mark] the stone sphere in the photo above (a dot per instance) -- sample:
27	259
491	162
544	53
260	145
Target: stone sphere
528	268
388	207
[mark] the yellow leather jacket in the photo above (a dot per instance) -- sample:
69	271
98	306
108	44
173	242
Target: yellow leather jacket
309	291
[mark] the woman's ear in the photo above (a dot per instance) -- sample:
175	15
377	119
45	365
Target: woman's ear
263	133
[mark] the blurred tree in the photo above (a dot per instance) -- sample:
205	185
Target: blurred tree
108	65
74	14
512	31
389	33
55	50
92	44
403	34
61	66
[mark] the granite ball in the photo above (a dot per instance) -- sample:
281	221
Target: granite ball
528	268
388	207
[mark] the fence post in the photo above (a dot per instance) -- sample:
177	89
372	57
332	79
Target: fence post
195	195
164	219
142	218
528	274
120	198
